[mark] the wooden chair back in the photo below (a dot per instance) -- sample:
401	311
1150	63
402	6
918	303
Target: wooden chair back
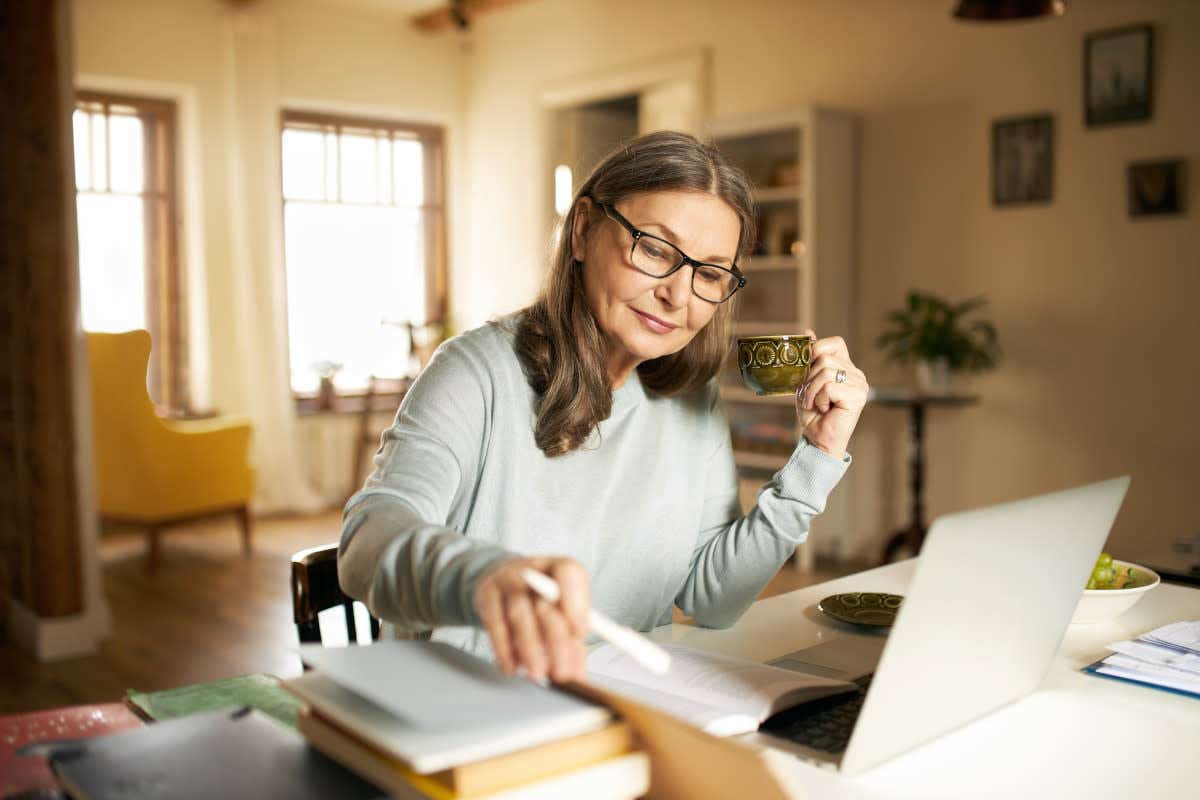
315	588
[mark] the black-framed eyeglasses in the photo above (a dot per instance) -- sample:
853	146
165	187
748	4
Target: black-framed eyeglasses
659	258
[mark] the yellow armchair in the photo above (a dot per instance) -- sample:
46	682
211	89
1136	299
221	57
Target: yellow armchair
154	472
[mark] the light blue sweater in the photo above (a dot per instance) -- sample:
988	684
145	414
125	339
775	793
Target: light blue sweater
649	505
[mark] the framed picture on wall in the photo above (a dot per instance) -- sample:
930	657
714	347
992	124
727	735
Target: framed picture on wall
1156	187
1023	160
1118	75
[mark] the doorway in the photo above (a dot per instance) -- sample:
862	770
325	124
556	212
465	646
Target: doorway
585	117
582	136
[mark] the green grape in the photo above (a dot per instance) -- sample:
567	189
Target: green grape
1103	575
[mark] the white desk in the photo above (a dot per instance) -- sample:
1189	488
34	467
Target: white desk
1078	736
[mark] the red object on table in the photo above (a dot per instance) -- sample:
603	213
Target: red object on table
24	773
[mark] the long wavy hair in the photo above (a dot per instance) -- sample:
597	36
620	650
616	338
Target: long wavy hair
558	341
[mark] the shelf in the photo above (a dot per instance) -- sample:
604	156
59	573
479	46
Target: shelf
790	289
777	194
740	394
769	461
764	263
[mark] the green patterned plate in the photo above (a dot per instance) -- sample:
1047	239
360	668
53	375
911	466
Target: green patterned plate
863	608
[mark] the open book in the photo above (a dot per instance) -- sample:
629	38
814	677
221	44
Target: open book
720	694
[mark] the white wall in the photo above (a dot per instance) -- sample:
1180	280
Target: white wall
1095	311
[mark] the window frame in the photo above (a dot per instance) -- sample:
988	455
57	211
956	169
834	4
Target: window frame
165	309
433	210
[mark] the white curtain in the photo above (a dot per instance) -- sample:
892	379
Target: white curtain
256	247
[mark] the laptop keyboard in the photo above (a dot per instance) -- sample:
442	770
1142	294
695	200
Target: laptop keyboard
824	724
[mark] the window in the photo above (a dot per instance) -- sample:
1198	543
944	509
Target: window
363	243
125	203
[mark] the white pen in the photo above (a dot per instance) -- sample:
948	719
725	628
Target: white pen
629	641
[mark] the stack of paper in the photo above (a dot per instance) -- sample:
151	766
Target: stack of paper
1165	658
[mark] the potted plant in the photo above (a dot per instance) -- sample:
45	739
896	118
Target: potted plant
935	334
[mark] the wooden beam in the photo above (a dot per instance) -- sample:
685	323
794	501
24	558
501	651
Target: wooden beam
39	310
444	19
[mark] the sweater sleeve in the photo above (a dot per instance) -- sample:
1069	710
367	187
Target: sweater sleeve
396	553
736	556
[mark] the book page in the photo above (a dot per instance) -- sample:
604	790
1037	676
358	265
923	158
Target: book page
722	684
712	719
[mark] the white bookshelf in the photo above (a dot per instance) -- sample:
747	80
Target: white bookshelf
802	274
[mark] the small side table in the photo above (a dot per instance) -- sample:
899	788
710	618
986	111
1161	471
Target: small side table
912	536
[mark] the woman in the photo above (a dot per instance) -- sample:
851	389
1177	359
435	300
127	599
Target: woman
584	437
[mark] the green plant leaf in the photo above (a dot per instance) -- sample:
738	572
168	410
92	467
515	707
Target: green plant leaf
929	327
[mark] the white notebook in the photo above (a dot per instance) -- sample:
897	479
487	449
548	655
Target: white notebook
434	706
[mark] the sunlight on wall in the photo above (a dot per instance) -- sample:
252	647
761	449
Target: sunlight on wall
562	188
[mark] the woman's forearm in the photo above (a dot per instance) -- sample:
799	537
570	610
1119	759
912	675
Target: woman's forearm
411	572
735	560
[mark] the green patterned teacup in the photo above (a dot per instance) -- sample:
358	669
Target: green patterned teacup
774	364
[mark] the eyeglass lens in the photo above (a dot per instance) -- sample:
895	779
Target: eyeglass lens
658	258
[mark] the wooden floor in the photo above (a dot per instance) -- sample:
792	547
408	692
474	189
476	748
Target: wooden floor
208	613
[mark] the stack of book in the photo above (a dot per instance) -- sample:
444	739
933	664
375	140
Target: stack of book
425	720
1165	658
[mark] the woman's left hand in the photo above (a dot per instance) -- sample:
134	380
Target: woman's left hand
829	410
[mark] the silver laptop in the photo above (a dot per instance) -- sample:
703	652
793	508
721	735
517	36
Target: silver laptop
990	600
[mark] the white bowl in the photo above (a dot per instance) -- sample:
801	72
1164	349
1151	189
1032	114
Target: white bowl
1101	605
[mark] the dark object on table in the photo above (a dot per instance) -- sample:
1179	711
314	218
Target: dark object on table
911	537
216	754
1181	564
824	724
873	609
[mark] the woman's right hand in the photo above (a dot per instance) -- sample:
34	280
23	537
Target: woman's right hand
545	639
